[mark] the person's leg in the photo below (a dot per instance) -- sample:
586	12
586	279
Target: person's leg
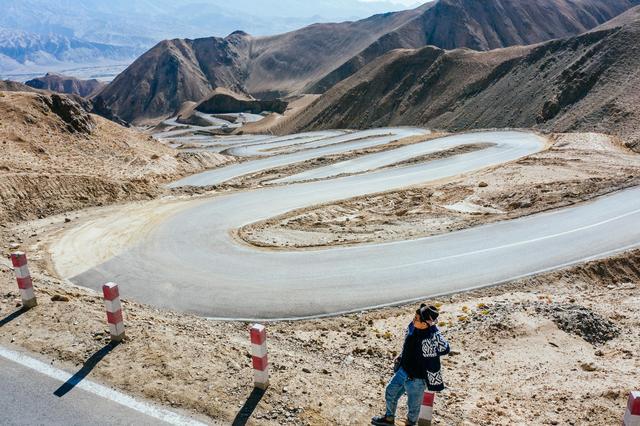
415	391
394	391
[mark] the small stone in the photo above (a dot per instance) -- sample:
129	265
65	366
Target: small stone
483	184
588	366
67	220
59	298
306	370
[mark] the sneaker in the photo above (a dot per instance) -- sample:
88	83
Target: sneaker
409	423
383	421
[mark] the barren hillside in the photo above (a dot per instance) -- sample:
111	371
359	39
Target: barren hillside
484	25
176	71
55	157
586	83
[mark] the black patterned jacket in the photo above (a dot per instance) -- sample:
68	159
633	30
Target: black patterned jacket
421	354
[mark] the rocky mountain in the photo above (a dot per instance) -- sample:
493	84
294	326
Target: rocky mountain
313	59
175	71
586	83
68	85
484	25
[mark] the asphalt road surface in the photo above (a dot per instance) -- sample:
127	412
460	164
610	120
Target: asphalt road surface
190	261
28	397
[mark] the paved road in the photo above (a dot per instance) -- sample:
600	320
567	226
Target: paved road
27	398
191	263
307	148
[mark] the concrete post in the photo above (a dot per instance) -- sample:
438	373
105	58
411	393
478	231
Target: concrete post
632	415
25	284
259	356
114	311
426	410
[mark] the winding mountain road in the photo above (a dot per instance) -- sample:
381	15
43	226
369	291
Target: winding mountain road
191	262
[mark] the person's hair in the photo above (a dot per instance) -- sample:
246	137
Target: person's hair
427	313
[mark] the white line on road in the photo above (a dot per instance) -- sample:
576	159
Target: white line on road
99	390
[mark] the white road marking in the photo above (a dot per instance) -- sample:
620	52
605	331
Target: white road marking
99	390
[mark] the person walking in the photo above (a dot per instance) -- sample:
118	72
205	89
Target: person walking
417	367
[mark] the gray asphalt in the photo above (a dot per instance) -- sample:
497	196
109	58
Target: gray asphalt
327	146
27	398
191	263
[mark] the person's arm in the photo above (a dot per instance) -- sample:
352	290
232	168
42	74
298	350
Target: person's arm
443	347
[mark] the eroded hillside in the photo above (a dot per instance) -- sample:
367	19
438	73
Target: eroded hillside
56	157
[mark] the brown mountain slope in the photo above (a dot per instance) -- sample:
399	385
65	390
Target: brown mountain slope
584	83
177	71
68	85
56	157
484	25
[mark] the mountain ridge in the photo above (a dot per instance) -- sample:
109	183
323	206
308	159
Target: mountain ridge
581	83
304	61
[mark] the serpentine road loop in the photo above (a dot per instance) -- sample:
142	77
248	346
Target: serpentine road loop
189	261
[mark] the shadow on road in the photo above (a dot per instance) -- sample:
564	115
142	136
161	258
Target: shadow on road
86	369
13	316
247	409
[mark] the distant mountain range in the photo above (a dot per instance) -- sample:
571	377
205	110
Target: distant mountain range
315	58
20	49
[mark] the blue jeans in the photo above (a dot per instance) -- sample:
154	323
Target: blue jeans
400	384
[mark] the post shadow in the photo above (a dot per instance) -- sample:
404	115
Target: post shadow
249	406
12	316
85	370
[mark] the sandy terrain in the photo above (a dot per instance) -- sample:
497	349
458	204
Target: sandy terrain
583	323
577	167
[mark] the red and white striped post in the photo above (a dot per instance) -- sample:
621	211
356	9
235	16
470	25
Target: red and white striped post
259	356
25	284
426	410
114	311
632	415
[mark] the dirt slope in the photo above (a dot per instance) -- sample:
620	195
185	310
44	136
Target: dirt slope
56	157
586	83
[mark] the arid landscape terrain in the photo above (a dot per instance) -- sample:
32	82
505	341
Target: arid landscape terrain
480	156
